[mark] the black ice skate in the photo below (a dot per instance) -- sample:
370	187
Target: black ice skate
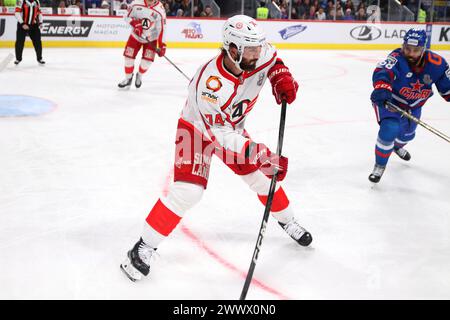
403	154
138	82
17	62
297	232
137	263
41	62
376	174
126	83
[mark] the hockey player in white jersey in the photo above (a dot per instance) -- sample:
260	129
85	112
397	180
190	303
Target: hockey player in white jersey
221	95
148	20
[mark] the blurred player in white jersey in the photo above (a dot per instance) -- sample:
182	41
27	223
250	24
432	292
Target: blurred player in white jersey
148	19
221	95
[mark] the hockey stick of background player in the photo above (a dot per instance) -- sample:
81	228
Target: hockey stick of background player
262	229
189	79
418	121
157	51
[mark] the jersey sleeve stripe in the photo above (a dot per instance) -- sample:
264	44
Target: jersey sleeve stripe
199	78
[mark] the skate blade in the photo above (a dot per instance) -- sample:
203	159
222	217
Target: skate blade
131	272
373	185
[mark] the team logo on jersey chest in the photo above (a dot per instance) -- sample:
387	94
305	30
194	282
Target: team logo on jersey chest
213	83
415	92
241	109
147	24
417	86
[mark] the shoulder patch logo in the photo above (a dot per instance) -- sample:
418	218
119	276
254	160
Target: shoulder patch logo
261	79
213	83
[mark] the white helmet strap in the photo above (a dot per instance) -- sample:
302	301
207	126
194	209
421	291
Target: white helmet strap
237	62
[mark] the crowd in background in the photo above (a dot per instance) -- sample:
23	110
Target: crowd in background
322	10
300	9
420	11
174	8
183	8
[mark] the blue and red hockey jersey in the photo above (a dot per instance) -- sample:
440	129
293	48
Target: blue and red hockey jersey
412	88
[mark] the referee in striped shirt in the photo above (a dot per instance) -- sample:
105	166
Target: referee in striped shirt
29	18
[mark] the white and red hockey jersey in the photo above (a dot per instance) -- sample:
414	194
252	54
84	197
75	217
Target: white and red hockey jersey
218	101
153	20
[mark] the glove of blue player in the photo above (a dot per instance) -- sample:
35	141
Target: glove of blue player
382	92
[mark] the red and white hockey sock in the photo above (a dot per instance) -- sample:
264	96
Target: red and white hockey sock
168	211
159	224
260	184
145	64
129	67
280	209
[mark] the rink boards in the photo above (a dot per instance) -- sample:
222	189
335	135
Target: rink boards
101	31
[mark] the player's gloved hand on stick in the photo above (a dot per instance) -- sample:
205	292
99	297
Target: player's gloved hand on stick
259	155
161	50
284	85
137	25
382	92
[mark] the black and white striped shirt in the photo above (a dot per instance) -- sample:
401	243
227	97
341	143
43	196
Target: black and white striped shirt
28	12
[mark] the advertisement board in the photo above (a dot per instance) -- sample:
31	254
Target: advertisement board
113	31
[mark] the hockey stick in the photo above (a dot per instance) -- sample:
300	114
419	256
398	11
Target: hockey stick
418	121
4	63
170	61
189	79
262	229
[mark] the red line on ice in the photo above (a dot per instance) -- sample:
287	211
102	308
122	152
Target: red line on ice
229	265
216	256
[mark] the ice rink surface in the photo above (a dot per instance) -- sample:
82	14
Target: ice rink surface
77	183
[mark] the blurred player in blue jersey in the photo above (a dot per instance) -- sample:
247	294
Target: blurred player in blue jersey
404	79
